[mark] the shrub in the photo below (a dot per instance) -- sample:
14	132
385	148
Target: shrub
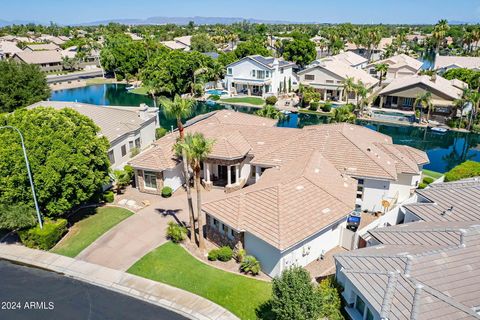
330	301
326	107
468	169
175	232
422	185
313	106
108	196
45	238
17	216
225	253
129	170
251	265
160	132
428	180
240	255
167	192
213	255
272	100
134	151
475	128
214	97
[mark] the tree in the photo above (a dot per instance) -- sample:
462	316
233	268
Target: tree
425	101
474	98
13	217
439	33
202	43
294	296
179	108
343	114
197	148
381	68
249	48
68	159
269	111
301	51
362	95
330	302
21	85
122	179
372	40
348	86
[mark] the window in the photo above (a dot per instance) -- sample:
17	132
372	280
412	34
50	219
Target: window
150	179
329	81
281	70
260	74
408	102
369	315
137	143
229	71
111	157
225	229
124	150
267	74
361	181
309	77
360	305
232	233
253	73
130	144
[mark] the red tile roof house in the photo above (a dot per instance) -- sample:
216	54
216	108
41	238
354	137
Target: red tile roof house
288	191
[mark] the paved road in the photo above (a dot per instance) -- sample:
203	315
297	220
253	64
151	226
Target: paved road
66	298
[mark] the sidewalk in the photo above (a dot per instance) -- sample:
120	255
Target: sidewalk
165	296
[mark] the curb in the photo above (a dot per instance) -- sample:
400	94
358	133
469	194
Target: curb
174	299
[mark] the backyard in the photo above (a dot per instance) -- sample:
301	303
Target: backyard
173	265
249	100
88	225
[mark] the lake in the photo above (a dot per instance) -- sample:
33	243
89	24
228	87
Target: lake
444	150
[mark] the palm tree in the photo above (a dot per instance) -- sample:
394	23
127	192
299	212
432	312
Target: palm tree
343	114
373	39
197	148
362	93
439	33
348	86
425	101
381	68
152	91
179	108
474	98
269	111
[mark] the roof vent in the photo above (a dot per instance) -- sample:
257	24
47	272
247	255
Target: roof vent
369	150
316	170
448	211
326	210
299	188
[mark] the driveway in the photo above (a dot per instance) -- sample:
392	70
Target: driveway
123	245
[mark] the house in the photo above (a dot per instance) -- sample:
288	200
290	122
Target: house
134	36
260	76
444	63
417	38
420	270
179	43
399	66
42	47
48	61
402	92
8	49
327	75
349	58
128	129
375	52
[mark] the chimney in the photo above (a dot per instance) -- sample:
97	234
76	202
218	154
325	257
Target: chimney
143	111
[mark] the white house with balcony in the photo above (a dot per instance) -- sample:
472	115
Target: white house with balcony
260	76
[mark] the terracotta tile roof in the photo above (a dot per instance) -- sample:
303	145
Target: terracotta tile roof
290	203
400	60
39	57
457	61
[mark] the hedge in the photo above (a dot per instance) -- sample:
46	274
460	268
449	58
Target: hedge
108	196
45	238
468	169
428	180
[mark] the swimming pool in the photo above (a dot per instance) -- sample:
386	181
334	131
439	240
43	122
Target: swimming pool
393	116
216	92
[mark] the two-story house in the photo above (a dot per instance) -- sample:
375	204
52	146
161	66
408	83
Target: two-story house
260	76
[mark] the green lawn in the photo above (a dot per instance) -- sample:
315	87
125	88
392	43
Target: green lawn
87	230
173	265
250	100
99	80
139	90
433	174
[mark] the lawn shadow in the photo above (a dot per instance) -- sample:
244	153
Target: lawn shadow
264	311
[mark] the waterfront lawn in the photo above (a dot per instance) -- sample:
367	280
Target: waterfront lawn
94	223
139	90
99	80
432	174
250	100
172	264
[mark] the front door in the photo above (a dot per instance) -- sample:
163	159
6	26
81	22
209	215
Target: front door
222	173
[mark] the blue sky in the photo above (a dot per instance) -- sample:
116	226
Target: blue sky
356	11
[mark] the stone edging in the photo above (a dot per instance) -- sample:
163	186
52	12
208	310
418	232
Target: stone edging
177	300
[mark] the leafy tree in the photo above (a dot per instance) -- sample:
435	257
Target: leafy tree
294	297
249	48
197	148
330	302
14	217
67	156
470	77
301	51
202	43
21	85
468	169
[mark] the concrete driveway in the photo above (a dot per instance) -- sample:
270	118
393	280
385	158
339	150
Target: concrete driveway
120	247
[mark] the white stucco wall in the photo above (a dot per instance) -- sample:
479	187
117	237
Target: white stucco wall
269	256
173	178
405	185
373	193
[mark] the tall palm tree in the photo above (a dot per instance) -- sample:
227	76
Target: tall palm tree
179	108
439	33
348	86
373	39
425	101
197	148
362	95
474	98
381	68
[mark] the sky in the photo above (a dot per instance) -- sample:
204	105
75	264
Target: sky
355	11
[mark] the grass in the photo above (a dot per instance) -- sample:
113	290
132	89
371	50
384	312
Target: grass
99	81
139	90
173	265
250	100
433	174
87	230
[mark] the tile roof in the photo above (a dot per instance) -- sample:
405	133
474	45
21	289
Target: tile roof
447	87
451	201
43	47
457	61
113	122
289	204
9	47
422	270
401	60
39	57
349	58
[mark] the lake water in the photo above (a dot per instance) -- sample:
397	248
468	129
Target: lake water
444	150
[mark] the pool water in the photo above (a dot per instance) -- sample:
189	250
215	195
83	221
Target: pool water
216	92
445	151
393	116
